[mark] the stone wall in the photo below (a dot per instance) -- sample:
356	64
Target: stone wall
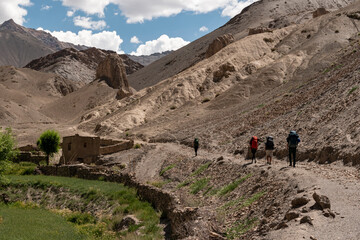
182	219
29	157
121	146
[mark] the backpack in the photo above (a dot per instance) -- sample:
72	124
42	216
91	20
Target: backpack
196	143
269	143
254	142
293	139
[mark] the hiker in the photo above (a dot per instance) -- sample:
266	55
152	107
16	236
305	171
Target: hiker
254	143
292	142
269	148
196	145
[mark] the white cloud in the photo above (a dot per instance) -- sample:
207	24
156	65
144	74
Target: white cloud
45	7
135	40
141	10
235	7
86	22
104	40
70	13
13	9
162	44
203	29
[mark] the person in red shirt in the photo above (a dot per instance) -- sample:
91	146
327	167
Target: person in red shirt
254	143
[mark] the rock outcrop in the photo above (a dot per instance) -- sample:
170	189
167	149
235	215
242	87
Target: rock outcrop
319	12
112	70
258	30
218	44
223	71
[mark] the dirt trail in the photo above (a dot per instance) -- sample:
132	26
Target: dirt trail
338	182
341	185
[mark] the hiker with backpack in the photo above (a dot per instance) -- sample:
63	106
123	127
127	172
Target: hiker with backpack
196	145
269	148
292	142
254	143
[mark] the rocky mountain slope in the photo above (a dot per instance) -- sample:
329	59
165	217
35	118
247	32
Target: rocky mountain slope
78	66
20	45
221	98
25	91
269	14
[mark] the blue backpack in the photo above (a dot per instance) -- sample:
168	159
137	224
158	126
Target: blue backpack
293	139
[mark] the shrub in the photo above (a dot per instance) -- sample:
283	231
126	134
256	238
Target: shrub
49	143
7	149
137	146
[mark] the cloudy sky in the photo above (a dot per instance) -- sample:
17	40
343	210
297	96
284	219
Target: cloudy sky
139	27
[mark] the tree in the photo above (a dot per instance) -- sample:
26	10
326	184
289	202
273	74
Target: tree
7	148
49	143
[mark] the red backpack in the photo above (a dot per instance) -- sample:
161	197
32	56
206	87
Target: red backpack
254	142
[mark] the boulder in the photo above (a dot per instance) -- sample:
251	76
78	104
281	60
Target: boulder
112	70
319	12
306	219
218	44
299	201
291	215
328	213
321	200
126	222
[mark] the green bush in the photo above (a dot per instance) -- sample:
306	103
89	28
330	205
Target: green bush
80	218
7	150
137	146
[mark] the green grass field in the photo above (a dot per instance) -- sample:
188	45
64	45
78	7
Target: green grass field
123	199
21	223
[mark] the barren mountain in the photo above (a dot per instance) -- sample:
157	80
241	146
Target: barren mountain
78	66
262	14
25	91
20	45
147	59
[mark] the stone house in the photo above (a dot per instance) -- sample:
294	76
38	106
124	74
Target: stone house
81	149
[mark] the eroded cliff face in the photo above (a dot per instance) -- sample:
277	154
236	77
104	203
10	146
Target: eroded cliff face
112	70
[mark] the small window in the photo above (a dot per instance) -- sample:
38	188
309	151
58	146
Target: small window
84	145
69	147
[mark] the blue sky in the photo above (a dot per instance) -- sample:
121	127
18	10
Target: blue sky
140	27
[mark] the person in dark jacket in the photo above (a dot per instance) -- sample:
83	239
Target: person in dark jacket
292	143
269	148
196	145
254	143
